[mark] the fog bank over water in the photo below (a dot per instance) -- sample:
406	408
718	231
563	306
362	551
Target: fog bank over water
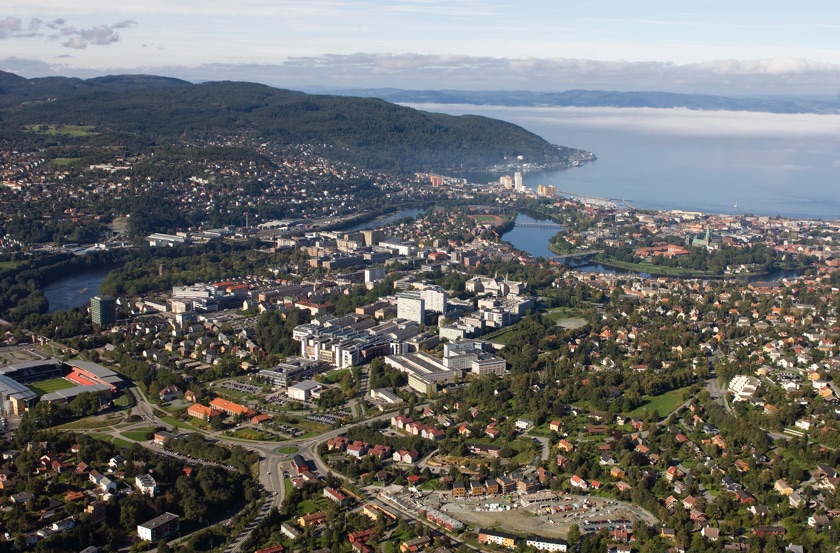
710	161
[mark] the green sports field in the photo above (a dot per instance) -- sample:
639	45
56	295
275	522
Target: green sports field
49	386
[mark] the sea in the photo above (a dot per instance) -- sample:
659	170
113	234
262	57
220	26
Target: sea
710	161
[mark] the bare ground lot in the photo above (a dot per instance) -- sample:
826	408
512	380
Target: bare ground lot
573	323
18	354
534	520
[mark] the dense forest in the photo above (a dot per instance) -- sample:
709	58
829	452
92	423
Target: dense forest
367	132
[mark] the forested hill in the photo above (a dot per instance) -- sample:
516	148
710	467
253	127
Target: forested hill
364	131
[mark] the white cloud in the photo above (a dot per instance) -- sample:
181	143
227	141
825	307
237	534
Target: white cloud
100	35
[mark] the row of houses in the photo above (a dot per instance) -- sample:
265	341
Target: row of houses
415	428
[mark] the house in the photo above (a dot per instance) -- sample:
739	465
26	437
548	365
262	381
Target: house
312	519
818	521
357	449
299	464
170	393
668	534
496	537
566	446
459	490
616	472
380	451
106	485
405	456
523	424
527	485
783	487
491	486
290	532
506	484
415	545
146	484
477	488
335	495
555	426
578	482
116	461
710	533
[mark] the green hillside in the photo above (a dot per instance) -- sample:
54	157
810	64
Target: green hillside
364	131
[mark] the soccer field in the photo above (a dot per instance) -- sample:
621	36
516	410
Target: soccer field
52	385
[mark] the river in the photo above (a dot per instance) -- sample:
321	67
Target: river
374	223
534	241
74	290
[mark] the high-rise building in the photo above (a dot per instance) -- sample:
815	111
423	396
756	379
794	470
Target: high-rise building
103	310
517	182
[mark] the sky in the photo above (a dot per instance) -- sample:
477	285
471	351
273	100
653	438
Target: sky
732	47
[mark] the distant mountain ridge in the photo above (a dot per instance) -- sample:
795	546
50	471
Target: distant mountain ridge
600	98
364	131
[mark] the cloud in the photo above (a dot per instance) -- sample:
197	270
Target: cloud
777	76
10	27
732	77
100	35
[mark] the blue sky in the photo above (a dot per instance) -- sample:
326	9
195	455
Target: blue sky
735	47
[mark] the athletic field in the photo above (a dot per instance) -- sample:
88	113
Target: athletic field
48	386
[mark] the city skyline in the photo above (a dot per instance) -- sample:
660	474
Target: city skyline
749	48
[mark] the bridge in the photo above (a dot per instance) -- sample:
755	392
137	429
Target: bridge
540	225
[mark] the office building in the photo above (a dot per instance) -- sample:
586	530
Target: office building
411	307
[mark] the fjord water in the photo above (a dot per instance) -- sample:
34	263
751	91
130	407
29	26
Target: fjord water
709	161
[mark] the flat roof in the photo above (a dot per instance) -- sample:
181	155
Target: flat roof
29	365
70	393
12	388
93	368
165	518
305	385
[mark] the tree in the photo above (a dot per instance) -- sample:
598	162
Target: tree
573	537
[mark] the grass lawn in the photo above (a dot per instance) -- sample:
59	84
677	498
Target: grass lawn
61	161
90	423
49	386
123	401
502	338
288	450
485	219
306	507
119	442
333	377
10	264
139	435
652	269
664	403
309	426
253	434
175	422
562	313
67	130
